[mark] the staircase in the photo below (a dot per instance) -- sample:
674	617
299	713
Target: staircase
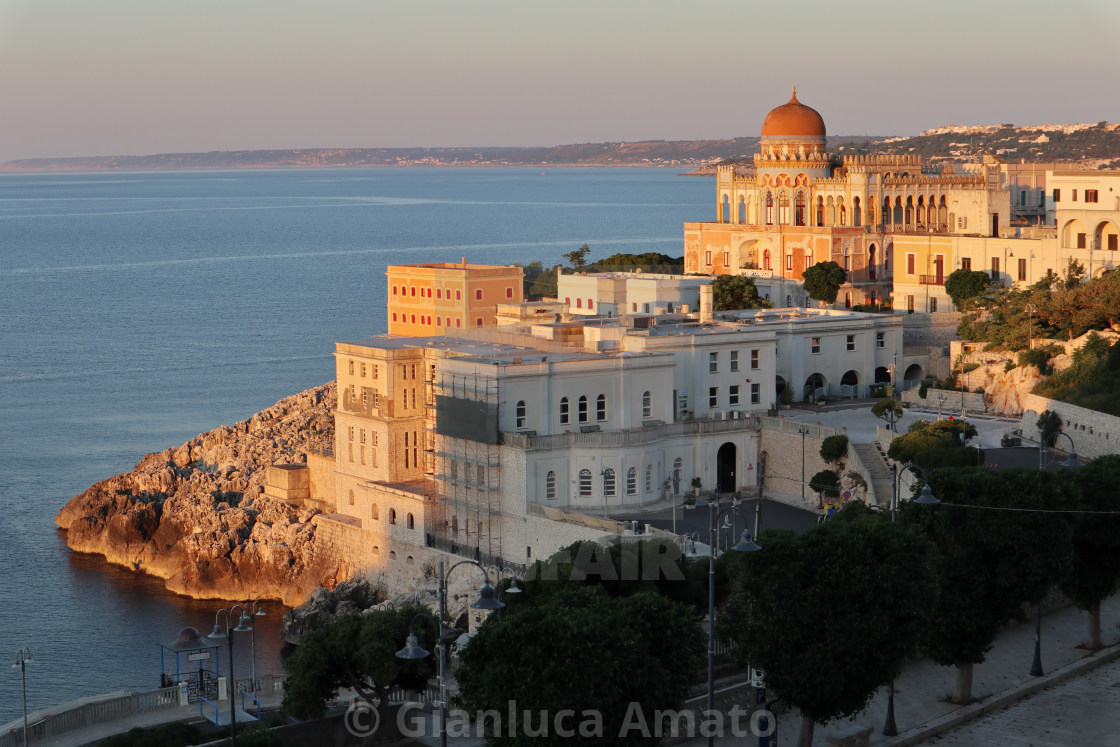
879	477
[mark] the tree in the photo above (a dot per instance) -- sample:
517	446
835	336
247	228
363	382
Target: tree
834	448
730	292
823	280
356	651
577	258
939	444
826	483
889	410
963	285
988	563
585	652
832	614
1094	571
539	281
1049	425
647	261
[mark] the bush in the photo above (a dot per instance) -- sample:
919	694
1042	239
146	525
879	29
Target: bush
1039	358
923	389
834	448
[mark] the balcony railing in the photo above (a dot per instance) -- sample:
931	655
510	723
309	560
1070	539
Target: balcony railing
931	280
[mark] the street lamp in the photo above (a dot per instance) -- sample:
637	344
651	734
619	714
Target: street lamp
745	544
256	609
486	601
926	499
940	400
244	625
22	657
801	429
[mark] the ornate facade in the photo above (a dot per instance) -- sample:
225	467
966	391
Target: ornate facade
803	205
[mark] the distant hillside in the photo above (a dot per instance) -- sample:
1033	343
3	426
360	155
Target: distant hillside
1093	145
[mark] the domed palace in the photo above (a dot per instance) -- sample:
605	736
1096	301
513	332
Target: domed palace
801	205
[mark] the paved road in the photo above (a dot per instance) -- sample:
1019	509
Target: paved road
773	515
1081	711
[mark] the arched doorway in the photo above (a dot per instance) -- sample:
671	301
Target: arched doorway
779	385
814	386
849	384
882	375
725	468
912	377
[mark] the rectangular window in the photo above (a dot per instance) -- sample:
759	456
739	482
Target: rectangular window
1090	195
909	264
1112	241
1023	269
789	261
713	396
727	256
966	263
847	263
1075	195
851	342
733	395
1057	195
734	360
352	366
713	362
756	394
879	341
754	360
350	431
814	344
362	435
808	261
932	305
1080	241
375	367
995	268
1022	197
910	304
708	259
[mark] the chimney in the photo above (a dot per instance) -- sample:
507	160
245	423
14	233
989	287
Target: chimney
464	263
705	303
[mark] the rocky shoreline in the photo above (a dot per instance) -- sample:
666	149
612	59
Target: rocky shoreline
195	515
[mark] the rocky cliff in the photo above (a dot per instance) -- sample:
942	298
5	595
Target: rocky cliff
194	515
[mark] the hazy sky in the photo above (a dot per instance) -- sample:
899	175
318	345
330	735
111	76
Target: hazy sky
101	77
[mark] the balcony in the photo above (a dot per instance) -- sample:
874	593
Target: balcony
931	280
632	436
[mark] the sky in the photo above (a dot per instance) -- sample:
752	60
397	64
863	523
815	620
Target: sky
114	77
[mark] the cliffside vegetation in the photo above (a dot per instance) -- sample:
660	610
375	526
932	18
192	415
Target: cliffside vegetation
1059	308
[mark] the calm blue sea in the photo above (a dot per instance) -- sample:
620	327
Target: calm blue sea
140	309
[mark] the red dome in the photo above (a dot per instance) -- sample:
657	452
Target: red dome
793	119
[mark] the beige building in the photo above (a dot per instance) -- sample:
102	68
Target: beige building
802	205
429	298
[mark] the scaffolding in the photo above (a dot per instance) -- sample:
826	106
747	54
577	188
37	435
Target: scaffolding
463	465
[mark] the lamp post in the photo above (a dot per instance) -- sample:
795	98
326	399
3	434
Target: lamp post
244	625
803	431
1030	336
940	400
745	544
486	601
22	657
926	499
256	609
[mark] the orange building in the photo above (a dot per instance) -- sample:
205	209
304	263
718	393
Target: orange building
427	299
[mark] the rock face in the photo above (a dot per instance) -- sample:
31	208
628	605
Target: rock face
355	595
194	515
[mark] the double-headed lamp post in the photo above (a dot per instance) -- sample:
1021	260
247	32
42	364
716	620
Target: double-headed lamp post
745	544
925	499
22	657
244	625
445	636
255	608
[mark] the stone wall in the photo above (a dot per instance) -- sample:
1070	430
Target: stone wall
781	443
1093	433
933	330
320	469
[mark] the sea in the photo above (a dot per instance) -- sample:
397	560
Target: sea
138	310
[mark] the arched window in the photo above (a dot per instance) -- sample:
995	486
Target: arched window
799	209
410	522
392	516
520	413
632	481
608	483
843	214
563	411
783	208
742	210
857	214
831	212
550	486
373	512
509	292
766	259
478	294
769	209
725	210
585	482
820	211
678	467
478	322
649	477
413	293
581	408
789	300
601	407
647	405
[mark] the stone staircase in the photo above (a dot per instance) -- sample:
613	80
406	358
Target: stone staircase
875	461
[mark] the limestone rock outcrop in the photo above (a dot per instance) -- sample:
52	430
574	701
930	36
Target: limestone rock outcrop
195	516
355	595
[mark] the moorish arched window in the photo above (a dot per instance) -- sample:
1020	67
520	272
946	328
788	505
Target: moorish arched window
585	482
